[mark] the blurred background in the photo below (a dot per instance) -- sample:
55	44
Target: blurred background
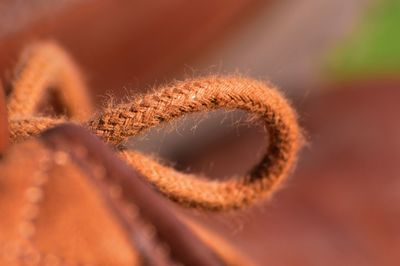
337	61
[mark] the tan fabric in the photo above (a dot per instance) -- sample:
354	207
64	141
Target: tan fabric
54	214
73	204
67	217
64	216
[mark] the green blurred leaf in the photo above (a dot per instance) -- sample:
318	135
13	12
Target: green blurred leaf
374	47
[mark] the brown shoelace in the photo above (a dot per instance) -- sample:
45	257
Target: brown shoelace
45	65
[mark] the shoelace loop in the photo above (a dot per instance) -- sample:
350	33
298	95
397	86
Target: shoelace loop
45	65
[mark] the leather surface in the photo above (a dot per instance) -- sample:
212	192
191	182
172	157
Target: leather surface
184	245
91	208
4	135
73	224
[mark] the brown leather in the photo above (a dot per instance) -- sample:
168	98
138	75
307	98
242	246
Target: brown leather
72	224
341	207
4	134
78	218
120	44
185	247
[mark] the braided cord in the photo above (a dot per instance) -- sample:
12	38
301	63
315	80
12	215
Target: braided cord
117	123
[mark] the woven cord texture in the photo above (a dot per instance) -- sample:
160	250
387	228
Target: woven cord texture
45	65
